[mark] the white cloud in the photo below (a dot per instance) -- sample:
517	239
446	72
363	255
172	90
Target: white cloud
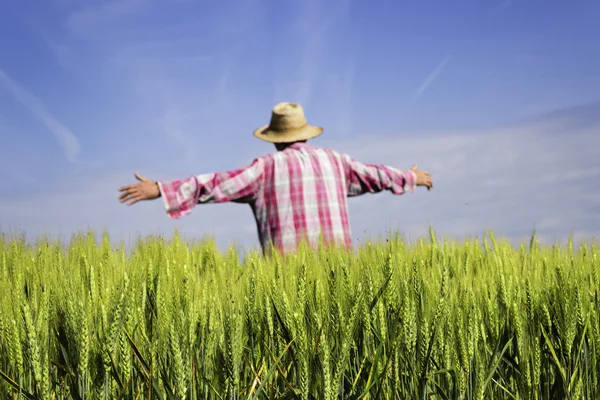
511	180
65	137
432	76
80	203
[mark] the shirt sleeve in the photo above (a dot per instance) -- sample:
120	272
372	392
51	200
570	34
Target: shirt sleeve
374	178
241	185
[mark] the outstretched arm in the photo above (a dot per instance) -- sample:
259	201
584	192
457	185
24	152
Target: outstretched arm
240	185
181	195
374	178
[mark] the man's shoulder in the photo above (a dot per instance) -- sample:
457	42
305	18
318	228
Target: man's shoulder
311	149
328	151
320	149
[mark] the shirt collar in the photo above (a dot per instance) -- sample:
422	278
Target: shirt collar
298	145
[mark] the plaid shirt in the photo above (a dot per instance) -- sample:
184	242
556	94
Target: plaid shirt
296	194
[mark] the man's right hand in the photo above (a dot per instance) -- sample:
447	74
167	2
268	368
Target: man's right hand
423	177
145	190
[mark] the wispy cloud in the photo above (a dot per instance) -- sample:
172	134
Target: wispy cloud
309	61
104	13
314	23
511	179
65	137
434	74
60	51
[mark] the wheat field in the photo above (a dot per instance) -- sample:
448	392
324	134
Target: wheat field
478	319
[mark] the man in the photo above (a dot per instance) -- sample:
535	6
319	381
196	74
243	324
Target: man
297	193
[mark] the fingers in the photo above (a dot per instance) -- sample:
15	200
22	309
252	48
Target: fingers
131	187
423	177
415	168
140	178
132	202
133	194
132	198
128	187
426	179
129	195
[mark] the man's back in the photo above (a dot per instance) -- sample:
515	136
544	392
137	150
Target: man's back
299	193
303	196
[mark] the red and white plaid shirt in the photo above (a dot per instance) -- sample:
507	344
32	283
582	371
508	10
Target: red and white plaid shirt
296	194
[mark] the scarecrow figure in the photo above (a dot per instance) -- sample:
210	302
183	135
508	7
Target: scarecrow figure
297	193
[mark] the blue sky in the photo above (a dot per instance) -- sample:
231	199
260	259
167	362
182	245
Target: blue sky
497	99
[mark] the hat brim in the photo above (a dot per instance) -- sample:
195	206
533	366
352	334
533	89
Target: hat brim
305	133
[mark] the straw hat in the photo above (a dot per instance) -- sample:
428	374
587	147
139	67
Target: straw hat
288	124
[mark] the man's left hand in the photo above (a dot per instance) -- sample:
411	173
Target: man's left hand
423	177
145	190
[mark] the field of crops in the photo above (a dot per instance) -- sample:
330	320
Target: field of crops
429	319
